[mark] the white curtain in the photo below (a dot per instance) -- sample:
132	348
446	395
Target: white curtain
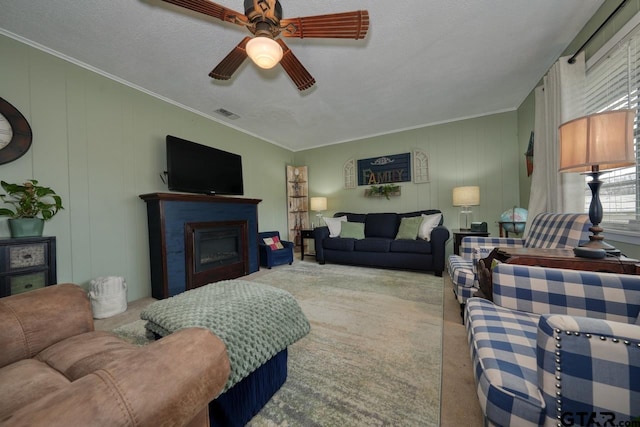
558	100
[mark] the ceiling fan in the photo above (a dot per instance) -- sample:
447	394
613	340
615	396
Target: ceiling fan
264	20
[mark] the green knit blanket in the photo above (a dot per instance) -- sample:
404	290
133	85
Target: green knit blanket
254	321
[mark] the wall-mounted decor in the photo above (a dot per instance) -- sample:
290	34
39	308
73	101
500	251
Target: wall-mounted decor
15	133
420	167
349	172
529	156
386	191
385	169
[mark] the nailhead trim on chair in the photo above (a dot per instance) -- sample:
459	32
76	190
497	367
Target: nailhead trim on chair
558	338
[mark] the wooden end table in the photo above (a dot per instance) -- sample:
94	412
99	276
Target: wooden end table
305	234
550	258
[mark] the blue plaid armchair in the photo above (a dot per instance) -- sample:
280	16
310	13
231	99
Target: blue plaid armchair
548	230
270	254
557	347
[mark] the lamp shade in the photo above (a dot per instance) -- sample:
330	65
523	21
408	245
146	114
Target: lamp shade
318	204
264	51
602	139
466	196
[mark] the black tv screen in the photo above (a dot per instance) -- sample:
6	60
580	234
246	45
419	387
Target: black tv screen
197	168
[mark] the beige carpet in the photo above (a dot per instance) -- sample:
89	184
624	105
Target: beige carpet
373	356
343	385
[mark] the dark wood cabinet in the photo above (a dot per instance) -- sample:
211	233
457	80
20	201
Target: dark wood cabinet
26	264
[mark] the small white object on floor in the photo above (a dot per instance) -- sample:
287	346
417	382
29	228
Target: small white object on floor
108	296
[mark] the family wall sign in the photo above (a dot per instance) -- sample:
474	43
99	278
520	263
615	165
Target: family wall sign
385	169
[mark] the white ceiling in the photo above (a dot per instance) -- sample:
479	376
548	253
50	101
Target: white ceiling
423	61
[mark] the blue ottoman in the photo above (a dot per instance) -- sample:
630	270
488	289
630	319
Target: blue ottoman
256	322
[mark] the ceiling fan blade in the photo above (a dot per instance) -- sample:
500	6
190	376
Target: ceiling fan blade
347	25
225	69
294	68
212	9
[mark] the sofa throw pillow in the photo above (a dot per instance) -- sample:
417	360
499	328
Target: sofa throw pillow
429	222
409	228
334	225
355	230
273	242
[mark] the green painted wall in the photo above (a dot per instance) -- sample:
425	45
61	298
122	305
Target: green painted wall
100	144
526	111
481	151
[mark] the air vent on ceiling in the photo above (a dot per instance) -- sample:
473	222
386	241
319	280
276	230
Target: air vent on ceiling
228	114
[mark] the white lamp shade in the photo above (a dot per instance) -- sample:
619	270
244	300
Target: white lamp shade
603	139
265	52
466	196
318	204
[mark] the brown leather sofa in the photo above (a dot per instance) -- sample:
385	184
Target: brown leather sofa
55	370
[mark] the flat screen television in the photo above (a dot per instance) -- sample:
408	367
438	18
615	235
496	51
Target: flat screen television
197	168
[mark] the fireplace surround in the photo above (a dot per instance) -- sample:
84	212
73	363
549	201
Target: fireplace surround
176	218
215	251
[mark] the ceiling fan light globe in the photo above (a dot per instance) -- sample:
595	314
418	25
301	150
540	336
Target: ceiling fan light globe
264	52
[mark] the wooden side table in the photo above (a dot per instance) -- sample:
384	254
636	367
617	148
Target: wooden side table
458	235
305	234
550	258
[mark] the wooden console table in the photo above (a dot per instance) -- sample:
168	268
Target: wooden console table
550	258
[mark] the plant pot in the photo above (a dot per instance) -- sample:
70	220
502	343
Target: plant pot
26	227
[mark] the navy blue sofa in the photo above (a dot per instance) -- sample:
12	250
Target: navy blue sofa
379	248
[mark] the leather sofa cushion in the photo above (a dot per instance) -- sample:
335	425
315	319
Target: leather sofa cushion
372	244
417	246
27	327
381	225
83	354
27	381
339	244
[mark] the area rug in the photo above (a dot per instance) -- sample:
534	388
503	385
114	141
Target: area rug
373	356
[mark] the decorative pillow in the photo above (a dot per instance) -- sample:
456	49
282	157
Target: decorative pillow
335	225
273	242
429	222
409	228
354	230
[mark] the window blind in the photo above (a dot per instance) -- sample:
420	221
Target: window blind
613	84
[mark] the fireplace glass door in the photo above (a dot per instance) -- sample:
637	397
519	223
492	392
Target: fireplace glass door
215	251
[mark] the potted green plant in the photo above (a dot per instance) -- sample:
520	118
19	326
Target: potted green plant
32	205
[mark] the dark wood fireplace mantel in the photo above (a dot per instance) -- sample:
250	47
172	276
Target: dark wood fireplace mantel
168	215
186	197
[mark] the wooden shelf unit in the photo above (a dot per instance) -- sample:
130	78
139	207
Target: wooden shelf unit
297	202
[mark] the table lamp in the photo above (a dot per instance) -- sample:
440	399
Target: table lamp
319	204
592	144
466	197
